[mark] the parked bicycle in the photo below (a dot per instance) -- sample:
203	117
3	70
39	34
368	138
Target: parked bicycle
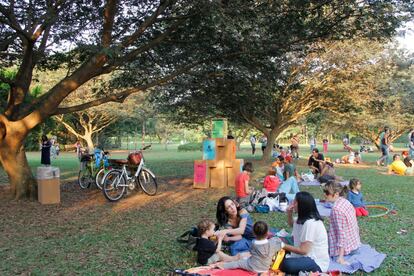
133	175
93	169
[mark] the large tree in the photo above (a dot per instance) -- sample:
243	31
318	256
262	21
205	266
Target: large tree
148	43
272	94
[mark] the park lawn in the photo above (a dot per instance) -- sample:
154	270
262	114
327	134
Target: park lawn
136	236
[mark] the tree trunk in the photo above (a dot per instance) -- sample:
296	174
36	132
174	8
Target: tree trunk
143	134
88	138
241	138
14	161
271	138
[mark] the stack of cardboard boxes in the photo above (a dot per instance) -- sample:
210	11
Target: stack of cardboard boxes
219	166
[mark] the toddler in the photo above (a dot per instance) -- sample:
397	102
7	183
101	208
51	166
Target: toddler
207	250
262	251
271	182
356	198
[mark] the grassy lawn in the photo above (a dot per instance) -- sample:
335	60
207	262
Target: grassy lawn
136	236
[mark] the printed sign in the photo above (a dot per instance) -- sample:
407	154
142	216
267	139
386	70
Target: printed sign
209	150
200	172
218	129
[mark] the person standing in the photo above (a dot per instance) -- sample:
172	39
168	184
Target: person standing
294	146
45	151
253	143
312	143
78	149
263	140
325	145
411	143
384	138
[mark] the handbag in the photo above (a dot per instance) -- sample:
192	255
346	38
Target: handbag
189	238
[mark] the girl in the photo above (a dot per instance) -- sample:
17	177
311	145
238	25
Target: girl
271	182
356	198
343	233
310	250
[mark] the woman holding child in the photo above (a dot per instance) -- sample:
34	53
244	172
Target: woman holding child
237	223
310	250
344	231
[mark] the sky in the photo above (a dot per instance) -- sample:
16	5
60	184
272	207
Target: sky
406	39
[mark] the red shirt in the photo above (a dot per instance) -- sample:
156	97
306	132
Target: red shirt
240	184
271	183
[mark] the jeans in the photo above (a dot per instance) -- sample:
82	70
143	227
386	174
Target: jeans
289	187
385	153
295	265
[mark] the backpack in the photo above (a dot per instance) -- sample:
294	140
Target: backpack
189	238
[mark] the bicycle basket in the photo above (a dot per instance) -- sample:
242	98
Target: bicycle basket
134	158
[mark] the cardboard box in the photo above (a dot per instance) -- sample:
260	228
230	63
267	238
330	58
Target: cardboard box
230	152
221	142
48	185
219	128
220	153
209	149
232	172
201	174
218	176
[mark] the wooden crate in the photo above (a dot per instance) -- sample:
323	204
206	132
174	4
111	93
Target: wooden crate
218	176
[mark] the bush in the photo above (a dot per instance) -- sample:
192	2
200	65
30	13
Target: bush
190	147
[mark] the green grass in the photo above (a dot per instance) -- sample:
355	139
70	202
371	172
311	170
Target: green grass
136	236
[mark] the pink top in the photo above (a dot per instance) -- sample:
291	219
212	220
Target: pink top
344	230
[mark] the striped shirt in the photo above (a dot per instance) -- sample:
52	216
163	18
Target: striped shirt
344	230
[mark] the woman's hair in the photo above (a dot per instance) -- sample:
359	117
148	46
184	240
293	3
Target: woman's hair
204	225
353	183
44	138
248	167
260	229
221	214
332	187
306	207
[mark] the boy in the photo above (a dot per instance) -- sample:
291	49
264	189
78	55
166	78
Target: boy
243	191
262	251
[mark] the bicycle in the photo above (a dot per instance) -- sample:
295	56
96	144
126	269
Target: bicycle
89	172
117	182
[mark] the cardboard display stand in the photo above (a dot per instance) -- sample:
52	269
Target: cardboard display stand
219	167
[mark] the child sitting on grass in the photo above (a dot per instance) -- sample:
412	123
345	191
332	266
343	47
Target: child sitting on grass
208	251
262	251
356	198
271	182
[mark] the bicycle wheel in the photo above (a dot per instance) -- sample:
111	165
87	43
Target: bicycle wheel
147	182
85	178
99	178
114	185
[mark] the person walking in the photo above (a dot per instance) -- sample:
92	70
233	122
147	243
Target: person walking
325	145
263	141
384	138
253	143
45	151
294	147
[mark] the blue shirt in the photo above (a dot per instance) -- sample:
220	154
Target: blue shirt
356	199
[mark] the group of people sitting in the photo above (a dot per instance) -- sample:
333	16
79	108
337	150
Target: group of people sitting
253	245
401	164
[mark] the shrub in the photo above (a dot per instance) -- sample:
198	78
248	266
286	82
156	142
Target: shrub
190	147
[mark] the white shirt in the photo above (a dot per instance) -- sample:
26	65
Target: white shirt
253	140
313	231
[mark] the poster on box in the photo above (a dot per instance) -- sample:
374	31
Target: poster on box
200	172
209	150
218	129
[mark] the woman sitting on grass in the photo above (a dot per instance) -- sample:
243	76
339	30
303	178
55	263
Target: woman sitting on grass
344	231
237	223
310	250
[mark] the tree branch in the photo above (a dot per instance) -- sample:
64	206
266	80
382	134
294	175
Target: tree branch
109	15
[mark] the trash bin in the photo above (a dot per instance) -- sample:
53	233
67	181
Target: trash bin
48	185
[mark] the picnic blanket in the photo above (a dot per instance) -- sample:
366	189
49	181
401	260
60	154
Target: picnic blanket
324	208
366	259
317	183
206	270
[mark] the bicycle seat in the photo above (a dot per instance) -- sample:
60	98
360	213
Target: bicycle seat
119	161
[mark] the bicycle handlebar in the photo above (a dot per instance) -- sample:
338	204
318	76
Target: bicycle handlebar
146	147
